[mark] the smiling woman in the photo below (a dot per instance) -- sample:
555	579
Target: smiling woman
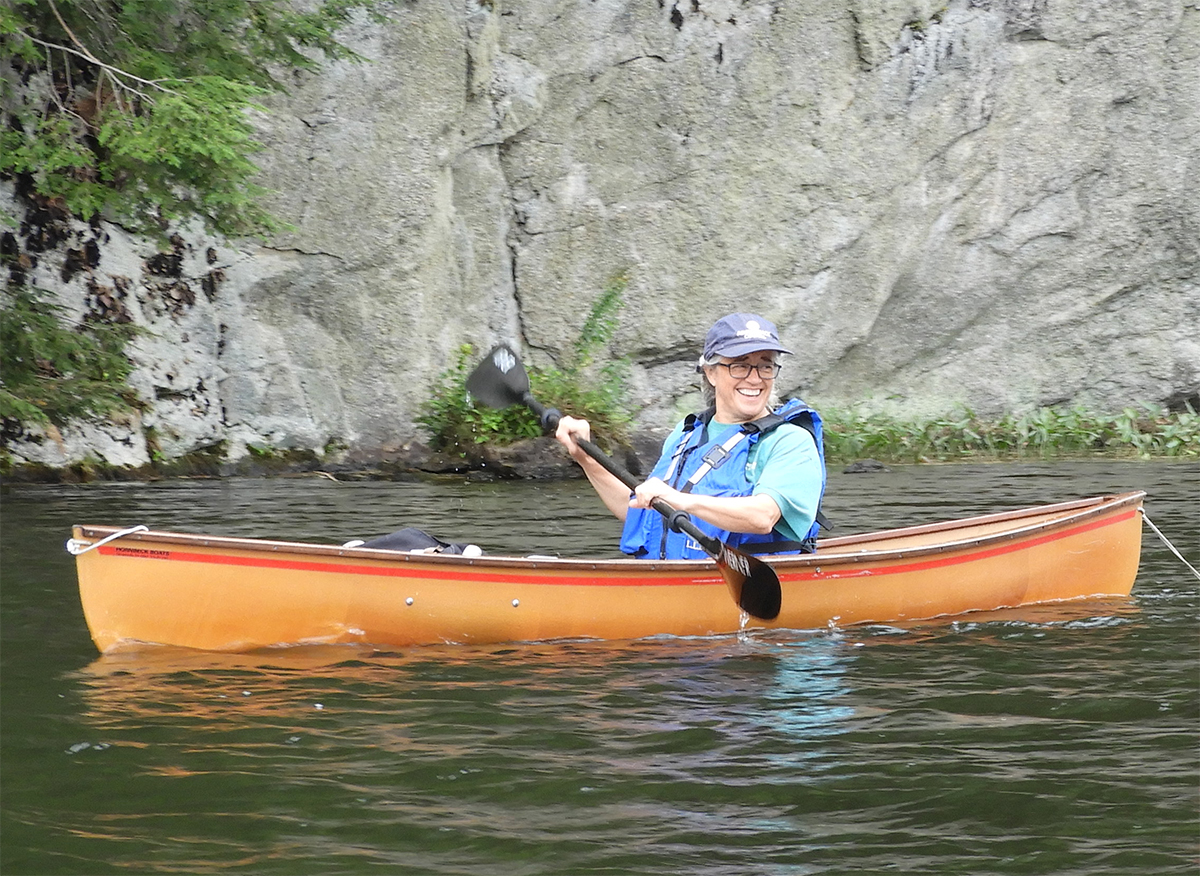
747	348
750	470
745	389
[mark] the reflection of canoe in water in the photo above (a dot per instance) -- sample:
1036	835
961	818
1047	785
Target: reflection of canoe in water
239	594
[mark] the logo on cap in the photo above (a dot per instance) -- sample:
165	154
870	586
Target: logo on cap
753	331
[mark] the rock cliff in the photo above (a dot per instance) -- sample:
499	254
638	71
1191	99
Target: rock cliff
990	203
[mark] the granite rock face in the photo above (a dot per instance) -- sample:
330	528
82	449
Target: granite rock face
990	203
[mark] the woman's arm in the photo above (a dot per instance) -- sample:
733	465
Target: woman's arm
757	513
608	487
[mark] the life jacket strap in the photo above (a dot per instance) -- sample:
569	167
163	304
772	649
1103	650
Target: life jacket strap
808	546
714	458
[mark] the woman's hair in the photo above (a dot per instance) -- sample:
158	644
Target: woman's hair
710	392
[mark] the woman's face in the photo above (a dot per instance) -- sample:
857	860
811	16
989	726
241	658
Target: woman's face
745	399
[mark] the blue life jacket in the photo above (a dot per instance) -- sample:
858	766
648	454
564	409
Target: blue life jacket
717	467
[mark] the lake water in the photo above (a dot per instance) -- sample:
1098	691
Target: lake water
1054	740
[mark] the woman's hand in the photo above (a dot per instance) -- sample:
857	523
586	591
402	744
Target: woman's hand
757	513
652	489
568	429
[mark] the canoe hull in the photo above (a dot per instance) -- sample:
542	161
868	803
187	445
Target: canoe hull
242	594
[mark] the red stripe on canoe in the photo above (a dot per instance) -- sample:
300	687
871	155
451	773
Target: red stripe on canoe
459	574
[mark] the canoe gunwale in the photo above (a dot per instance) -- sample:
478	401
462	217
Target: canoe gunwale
1096	505
834	550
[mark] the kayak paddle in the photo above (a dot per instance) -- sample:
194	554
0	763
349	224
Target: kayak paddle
500	381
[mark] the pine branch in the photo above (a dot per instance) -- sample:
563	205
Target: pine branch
115	75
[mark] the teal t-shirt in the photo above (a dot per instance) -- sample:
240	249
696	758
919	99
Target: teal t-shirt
785	465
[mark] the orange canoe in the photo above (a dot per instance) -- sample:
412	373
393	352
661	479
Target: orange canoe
236	594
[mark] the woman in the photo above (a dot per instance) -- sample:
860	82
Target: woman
748	470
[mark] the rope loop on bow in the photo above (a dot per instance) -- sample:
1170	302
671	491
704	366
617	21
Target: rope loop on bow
76	546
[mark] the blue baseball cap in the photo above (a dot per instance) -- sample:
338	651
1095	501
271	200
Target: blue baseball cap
741	333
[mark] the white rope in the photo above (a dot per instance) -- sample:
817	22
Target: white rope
75	546
1167	542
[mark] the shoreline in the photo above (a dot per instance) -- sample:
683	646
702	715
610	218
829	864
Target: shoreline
535	459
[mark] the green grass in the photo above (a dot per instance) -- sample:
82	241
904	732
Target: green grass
1145	432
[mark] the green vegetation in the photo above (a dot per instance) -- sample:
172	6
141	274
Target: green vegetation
582	386
453	421
138	110
53	374
1044	433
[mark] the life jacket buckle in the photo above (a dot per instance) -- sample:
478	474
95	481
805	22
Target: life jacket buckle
715	456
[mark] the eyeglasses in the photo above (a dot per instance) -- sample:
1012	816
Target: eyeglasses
741	370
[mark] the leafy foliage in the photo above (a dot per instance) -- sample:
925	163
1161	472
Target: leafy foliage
582	387
1046	432
454	422
138	109
52	374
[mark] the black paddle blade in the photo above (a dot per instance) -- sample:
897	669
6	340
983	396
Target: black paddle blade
754	584
499	381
